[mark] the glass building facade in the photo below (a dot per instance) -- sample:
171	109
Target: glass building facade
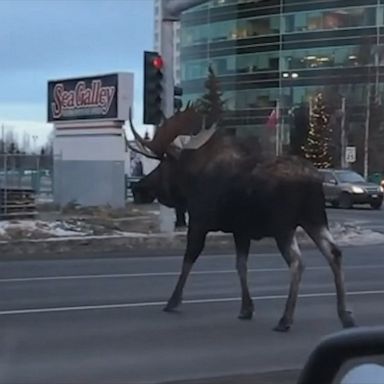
283	51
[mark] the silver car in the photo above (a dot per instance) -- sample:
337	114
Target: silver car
344	188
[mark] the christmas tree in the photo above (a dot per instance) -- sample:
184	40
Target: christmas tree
316	149
211	102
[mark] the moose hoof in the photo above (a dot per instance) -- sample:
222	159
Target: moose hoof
347	320
170	309
283	326
171	306
246	315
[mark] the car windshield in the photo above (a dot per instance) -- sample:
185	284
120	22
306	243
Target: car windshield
349	177
160	193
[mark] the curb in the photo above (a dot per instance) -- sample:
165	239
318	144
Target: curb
125	245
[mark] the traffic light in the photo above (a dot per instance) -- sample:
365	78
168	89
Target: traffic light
153	89
177	102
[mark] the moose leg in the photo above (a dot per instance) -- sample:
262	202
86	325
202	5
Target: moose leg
180	217
242	244
290	251
195	244
324	241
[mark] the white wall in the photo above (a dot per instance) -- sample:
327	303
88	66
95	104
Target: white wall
98	143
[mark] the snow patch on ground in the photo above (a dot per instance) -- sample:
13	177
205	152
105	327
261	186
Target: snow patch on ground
347	234
32	228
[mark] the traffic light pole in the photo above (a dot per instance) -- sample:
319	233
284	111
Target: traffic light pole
171	11
167	215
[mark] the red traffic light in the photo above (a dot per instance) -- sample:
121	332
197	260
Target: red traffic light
158	62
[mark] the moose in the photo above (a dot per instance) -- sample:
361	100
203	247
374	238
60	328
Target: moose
229	188
150	187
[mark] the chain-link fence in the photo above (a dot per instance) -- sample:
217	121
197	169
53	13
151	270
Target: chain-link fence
24	181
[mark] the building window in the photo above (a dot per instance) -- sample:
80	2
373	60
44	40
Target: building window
330	19
346	56
231	29
233	64
256	98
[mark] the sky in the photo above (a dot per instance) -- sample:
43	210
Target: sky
42	40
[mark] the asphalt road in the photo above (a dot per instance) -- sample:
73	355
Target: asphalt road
100	321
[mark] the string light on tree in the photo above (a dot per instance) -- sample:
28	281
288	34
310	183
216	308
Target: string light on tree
316	148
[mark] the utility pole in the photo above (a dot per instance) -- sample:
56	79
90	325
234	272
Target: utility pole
343	136
366	132
278	128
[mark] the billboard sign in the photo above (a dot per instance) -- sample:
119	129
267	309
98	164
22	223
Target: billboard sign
104	97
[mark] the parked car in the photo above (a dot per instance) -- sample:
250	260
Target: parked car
343	188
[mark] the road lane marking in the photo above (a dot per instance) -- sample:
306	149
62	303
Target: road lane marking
176	273
162	303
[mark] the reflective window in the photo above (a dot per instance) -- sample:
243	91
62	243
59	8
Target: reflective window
330	19
226	65
231	29
328	177
295	95
256	98
346	56
219	3
244	99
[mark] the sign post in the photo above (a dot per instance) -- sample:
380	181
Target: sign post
89	143
350	155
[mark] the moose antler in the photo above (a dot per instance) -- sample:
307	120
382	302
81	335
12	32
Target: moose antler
189	123
140	142
141	150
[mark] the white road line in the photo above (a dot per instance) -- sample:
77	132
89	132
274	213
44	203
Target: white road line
162	274
162	303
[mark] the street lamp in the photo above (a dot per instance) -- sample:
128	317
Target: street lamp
282	134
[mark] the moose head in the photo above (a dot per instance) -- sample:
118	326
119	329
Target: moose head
186	130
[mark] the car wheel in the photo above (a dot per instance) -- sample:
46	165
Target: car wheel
345	201
376	204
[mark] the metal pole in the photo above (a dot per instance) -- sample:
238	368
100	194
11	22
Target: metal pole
167	53
166	50
5	198
277	144
2	139
377	51
281	104
282	131
171	11
343	137
366	133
